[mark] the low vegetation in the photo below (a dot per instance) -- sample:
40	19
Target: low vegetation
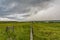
21	30
46	31
14	31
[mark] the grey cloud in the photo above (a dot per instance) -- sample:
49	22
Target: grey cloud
22	6
52	13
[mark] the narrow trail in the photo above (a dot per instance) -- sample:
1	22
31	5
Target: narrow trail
31	33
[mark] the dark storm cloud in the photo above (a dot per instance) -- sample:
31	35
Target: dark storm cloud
8	7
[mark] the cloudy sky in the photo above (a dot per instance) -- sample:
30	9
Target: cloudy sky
29	10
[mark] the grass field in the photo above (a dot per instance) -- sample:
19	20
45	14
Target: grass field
21	31
46	31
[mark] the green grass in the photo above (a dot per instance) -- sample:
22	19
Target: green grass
21	31
46	31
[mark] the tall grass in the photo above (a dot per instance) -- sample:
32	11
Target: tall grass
46	31
21	31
